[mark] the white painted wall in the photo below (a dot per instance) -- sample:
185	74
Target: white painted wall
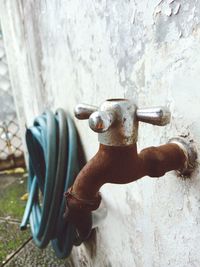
64	52
7	108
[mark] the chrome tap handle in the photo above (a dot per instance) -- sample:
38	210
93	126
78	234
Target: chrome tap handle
155	115
116	120
83	111
100	121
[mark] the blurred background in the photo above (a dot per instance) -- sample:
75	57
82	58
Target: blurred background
12	167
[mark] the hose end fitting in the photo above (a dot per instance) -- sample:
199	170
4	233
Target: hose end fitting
79	212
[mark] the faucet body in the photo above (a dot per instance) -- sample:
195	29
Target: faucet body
118	163
122	165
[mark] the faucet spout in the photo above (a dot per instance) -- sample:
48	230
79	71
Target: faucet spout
118	165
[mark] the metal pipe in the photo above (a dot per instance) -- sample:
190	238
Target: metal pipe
118	165
117	160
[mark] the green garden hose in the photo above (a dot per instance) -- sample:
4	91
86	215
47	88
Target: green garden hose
53	166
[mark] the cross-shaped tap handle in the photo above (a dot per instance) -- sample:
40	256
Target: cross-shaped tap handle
116	120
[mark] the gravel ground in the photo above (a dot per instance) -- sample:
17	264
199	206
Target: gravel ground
31	256
12	187
10	238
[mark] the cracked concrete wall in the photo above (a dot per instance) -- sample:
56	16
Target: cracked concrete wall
64	52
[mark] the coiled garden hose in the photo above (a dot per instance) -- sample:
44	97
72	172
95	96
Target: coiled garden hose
53	166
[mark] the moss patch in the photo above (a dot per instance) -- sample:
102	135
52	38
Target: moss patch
10	238
12	187
10	203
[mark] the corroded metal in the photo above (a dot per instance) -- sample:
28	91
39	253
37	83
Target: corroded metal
189	149
119	165
117	160
124	127
116	120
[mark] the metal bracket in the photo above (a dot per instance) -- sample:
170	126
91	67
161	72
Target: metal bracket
190	152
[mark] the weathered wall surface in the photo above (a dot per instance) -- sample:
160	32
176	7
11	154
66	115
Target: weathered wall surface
7	108
64	52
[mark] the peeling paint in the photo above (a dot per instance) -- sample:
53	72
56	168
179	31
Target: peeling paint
68	52
176	8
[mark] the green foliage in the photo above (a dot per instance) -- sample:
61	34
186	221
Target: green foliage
10	238
10	203
11	211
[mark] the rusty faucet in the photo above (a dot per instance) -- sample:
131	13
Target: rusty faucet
117	160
